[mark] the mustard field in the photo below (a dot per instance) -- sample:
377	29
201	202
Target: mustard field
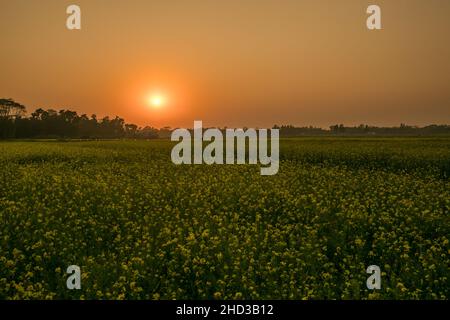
141	227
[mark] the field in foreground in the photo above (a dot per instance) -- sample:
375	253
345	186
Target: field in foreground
142	228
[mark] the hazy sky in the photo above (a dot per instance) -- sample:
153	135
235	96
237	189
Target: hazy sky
231	63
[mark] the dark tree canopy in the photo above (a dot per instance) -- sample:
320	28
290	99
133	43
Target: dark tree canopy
11	109
64	123
67	124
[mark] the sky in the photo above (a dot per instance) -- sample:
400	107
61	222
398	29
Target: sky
234	63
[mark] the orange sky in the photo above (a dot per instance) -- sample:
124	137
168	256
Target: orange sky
231	63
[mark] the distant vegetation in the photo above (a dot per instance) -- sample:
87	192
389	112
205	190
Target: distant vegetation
67	124
365	130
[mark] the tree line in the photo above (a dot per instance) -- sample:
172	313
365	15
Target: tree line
67	124
64	124
364	130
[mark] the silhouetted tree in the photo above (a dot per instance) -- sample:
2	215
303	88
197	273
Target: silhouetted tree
10	112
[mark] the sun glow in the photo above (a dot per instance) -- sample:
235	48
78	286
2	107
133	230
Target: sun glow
157	100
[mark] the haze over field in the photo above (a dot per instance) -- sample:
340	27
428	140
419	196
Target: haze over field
231	63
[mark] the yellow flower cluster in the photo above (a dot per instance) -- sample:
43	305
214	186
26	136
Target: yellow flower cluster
141	227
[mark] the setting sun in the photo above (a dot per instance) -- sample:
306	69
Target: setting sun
157	100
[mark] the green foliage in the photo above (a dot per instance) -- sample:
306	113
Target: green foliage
142	228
